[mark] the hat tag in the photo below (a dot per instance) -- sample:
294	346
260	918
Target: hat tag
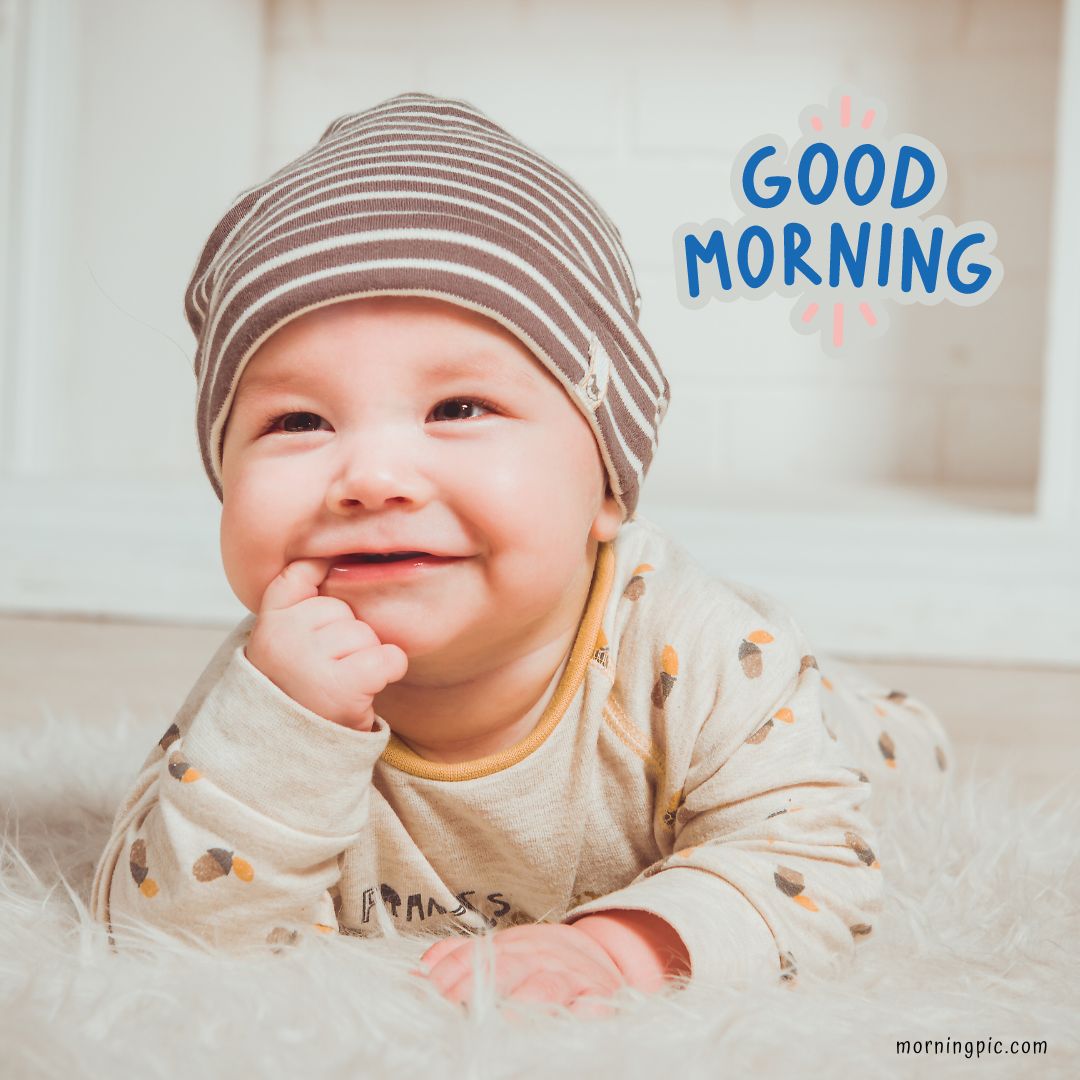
594	386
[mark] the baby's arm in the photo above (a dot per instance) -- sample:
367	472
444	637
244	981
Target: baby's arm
234	826
233	830
773	865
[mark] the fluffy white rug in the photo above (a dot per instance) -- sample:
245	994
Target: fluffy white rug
977	943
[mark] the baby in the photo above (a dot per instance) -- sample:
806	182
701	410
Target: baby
476	694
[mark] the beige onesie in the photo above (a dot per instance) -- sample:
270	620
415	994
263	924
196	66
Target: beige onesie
696	759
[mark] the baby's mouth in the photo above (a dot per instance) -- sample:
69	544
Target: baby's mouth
386	566
390	556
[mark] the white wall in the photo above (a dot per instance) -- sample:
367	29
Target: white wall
933	431
647	104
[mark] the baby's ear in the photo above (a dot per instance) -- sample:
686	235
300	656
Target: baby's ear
609	519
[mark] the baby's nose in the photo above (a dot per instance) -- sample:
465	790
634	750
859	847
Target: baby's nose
378	474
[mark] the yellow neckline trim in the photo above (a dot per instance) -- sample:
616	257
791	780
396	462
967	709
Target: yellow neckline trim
398	755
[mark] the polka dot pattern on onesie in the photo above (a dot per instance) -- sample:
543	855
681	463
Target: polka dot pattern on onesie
665	680
787	967
750	652
280	937
888	749
862	849
790	883
181	770
140	869
170	736
218	863
601	651
635	587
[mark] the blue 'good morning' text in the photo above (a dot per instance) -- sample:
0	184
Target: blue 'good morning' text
793	254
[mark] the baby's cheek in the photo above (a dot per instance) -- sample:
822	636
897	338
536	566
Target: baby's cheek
242	558
242	583
504	476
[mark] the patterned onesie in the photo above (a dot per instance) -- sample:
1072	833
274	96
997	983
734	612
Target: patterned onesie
696	758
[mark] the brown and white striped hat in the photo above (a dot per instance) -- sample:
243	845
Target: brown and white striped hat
425	196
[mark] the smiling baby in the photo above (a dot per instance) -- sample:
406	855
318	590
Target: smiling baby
476	693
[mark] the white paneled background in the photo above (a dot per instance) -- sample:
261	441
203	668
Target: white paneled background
920	499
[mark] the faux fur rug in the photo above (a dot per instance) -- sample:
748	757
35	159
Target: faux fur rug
977	943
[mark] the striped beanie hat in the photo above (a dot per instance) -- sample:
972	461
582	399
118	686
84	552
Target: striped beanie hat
425	196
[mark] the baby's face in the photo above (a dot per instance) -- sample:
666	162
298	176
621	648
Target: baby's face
359	426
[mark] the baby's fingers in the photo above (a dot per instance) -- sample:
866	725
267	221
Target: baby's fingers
590	1005
555	986
455	972
435	953
372	667
342	638
300	580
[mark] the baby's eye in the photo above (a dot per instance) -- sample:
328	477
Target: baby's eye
467	402
304	417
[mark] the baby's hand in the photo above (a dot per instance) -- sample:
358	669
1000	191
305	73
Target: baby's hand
549	962
315	650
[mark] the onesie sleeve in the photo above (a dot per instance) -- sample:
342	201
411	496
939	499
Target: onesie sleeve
233	829
772	869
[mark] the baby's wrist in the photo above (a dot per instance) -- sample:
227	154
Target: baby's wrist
644	947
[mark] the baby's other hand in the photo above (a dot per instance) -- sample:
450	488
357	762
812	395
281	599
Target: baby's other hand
548	962
315	649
